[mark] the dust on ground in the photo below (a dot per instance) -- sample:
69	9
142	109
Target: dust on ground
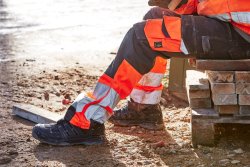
125	146
42	65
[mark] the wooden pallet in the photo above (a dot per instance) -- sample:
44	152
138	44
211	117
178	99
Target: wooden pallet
203	125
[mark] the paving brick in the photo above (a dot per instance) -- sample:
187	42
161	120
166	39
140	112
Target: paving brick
200	103
223	88
220	76
244	110
242	76
243	88
227	109
244	99
224	99
35	114
198	94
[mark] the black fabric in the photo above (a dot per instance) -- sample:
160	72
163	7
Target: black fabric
70	113
64	133
158	13
135	50
208	38
164	30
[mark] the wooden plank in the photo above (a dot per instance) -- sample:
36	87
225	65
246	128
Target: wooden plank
203	121
198	94
221	76
244	100
177	74
242	76
35	114
245	110
200	103
203	113
196	80
227	109
223	88
221	99
223	65
243	88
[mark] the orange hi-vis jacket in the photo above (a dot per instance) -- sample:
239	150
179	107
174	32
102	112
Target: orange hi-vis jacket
237	12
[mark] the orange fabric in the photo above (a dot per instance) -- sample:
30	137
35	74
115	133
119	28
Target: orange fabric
160	65
105	79
243	27
208	7
153	32
225	7
80	120
189	8
125	79
173	26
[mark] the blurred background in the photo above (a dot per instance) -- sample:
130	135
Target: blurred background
64	32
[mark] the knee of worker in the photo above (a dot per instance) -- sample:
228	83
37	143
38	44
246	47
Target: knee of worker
153	13
135	50
141	56
158	13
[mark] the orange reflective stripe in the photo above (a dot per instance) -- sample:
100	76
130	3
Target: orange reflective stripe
160	65
80	120
108	109
105	79
148	88
243	27
154	34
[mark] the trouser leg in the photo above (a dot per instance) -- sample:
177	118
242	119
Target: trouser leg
148	90
134	59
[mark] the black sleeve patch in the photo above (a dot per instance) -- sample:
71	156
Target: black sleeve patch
158	44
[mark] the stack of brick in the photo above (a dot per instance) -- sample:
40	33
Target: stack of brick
198	90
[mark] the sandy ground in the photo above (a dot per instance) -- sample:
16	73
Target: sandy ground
37	72
125	146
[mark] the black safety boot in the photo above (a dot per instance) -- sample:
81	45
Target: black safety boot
63	133
144	115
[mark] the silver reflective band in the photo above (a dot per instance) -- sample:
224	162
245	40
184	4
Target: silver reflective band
241	17
183	48
151	79
224	17
143	97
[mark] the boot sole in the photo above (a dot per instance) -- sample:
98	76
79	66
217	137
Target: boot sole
87	142
149	126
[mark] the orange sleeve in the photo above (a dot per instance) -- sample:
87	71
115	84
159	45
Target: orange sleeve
189	8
